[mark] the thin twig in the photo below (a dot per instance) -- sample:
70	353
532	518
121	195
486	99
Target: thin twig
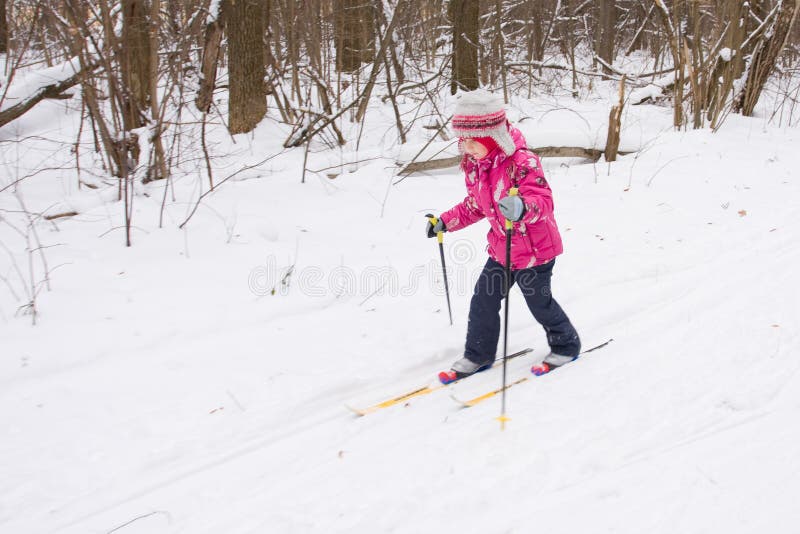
243	169
140	517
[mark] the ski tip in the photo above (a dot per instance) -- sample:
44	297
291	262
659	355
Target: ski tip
447	377
600	346
356	411
460	402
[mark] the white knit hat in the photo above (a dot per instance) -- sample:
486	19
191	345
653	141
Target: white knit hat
479	113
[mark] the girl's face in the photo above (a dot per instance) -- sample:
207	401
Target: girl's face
474	148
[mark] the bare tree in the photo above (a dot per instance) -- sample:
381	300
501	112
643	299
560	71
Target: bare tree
767	50
354	35
210	59
245	27
605	32
323	61
135	62
465	18
3	28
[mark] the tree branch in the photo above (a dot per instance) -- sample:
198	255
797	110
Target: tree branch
48	91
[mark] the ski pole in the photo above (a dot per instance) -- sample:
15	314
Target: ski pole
506	290
440	238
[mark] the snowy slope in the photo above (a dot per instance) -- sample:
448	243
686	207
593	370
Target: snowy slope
167	390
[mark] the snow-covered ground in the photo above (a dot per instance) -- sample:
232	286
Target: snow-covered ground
197	381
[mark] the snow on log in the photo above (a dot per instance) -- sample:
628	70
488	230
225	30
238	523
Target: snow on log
36	86
593	154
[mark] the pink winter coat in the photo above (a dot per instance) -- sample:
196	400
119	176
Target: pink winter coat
535	239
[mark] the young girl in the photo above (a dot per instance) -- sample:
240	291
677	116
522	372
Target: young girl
496	158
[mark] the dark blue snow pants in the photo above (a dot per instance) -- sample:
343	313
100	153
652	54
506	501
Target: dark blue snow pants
483	329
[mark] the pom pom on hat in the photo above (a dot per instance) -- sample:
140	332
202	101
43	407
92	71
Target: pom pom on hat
479	113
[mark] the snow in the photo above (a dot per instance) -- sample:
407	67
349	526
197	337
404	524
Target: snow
27	84
213	11
166	389
652	90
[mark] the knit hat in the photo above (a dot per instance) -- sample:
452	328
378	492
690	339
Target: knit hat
479	113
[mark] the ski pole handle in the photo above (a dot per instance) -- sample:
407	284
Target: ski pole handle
434	221
512	193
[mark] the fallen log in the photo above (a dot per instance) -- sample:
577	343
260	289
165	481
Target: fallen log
593	154
60	215
53	90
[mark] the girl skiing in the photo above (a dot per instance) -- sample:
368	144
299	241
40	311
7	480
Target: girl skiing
496	159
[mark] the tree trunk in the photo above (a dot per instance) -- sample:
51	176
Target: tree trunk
569	44
210	61
465	18
354	36
674	45
536	42
3	28
248	99
728	68
136	56
615	125
765	56
606	31
159	169
373	76
76	13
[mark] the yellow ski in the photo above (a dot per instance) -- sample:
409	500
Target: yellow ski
472	402
477	400
425	390
395	400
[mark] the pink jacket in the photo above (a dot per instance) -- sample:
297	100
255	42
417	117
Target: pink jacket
535	239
